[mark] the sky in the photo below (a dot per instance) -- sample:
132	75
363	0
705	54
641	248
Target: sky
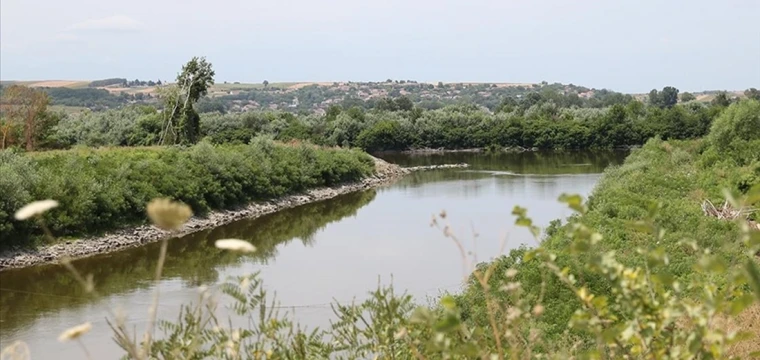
624	45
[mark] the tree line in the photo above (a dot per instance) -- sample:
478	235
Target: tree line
533	122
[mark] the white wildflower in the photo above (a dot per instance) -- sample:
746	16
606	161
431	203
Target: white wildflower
35	208
235	245
75	332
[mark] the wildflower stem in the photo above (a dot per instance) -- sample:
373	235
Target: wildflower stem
154	306
84	348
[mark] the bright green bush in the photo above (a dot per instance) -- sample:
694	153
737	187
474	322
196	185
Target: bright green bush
104	189
736	132
665	173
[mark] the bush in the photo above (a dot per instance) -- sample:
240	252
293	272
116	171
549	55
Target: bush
736	132
666	173
103	189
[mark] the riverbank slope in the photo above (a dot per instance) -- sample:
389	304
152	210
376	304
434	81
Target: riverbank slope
136	236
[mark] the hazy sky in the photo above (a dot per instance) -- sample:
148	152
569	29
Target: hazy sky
628	45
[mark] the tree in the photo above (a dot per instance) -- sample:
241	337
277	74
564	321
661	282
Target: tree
669	96
22	106
654	98
666	98
752	93
721	99
404	103
182	124
687	96
266	83
333	111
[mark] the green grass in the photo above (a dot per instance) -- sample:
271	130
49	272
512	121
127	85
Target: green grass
671	174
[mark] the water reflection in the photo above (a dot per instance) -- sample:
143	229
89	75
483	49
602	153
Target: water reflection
192	260
530	162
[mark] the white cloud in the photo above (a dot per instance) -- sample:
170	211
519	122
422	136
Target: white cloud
66	36
111	23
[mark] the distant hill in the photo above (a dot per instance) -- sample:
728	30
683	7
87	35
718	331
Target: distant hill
317	97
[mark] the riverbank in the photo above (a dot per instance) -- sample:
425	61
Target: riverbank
140	235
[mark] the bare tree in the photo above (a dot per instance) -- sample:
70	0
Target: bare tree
22	105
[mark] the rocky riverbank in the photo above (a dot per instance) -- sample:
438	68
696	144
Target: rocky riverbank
137	236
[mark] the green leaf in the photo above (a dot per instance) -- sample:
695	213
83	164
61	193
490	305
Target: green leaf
731	198
653	209
754	276
666	279
753	195
574	202
712	263
524	222
641	226
448	303
742	302
421	315
448	323
530	255
519	211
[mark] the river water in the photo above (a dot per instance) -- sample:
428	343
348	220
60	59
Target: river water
334	250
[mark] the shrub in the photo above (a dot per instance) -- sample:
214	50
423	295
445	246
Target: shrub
104	189
736	132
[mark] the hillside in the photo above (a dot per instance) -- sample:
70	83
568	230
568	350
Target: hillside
318	97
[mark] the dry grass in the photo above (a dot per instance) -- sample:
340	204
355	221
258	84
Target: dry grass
60	83
297	86
748	321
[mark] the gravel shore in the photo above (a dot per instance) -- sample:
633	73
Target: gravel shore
140	235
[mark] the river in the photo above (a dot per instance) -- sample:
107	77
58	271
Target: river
313	254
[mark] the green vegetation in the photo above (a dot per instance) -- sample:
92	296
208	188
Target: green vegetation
95	99
104	189
107	82
534	122
639	273
663	183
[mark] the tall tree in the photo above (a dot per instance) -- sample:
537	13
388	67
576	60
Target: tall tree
182	125
721	99
22	106
752	93
669	96
687	96
666	98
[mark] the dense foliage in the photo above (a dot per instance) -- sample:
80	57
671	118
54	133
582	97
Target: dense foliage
663	183
104	189
530	123
95	99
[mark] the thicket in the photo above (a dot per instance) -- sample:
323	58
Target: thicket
107	188
96	99
647	213
527	124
